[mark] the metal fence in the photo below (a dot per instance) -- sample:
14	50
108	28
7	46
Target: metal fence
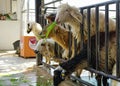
106	10
117	19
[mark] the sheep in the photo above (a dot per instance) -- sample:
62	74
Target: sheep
72	16
35	28
60	36
46	49
51	18
80	60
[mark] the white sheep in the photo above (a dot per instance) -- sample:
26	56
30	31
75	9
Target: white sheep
35	28
46	48
72	16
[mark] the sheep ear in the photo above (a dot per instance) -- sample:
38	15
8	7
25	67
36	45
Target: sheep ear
77	16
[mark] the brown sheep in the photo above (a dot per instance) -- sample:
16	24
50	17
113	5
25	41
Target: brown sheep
61	36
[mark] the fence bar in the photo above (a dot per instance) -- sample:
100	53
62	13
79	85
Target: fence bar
106	36
81	30
118	38
83	82
97	37
55	49
75	46
69	41
100	4
89	38
80	80
38	59
103	74
52	2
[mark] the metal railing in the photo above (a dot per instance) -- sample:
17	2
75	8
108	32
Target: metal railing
117	19
97	42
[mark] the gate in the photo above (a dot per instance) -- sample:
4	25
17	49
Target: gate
106	9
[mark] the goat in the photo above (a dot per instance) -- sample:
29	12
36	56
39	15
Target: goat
35	28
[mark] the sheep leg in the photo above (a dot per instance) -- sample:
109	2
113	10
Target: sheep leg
72	64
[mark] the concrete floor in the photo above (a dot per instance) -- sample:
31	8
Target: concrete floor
18	71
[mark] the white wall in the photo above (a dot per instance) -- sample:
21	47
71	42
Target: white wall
9	30
4	6
9	33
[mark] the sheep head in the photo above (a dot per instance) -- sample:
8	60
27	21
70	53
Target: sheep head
44	46
66	13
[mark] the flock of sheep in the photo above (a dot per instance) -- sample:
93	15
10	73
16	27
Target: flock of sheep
70	15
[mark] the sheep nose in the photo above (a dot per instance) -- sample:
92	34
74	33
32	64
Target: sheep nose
36	51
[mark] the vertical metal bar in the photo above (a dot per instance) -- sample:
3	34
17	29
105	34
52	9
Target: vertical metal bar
97	37
89	38
55	50
81	30
75	46
38	59
69	41
37	10
106	36
118	38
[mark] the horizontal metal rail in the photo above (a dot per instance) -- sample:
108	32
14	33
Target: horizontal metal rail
52	2
79	79
104	74
100	4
